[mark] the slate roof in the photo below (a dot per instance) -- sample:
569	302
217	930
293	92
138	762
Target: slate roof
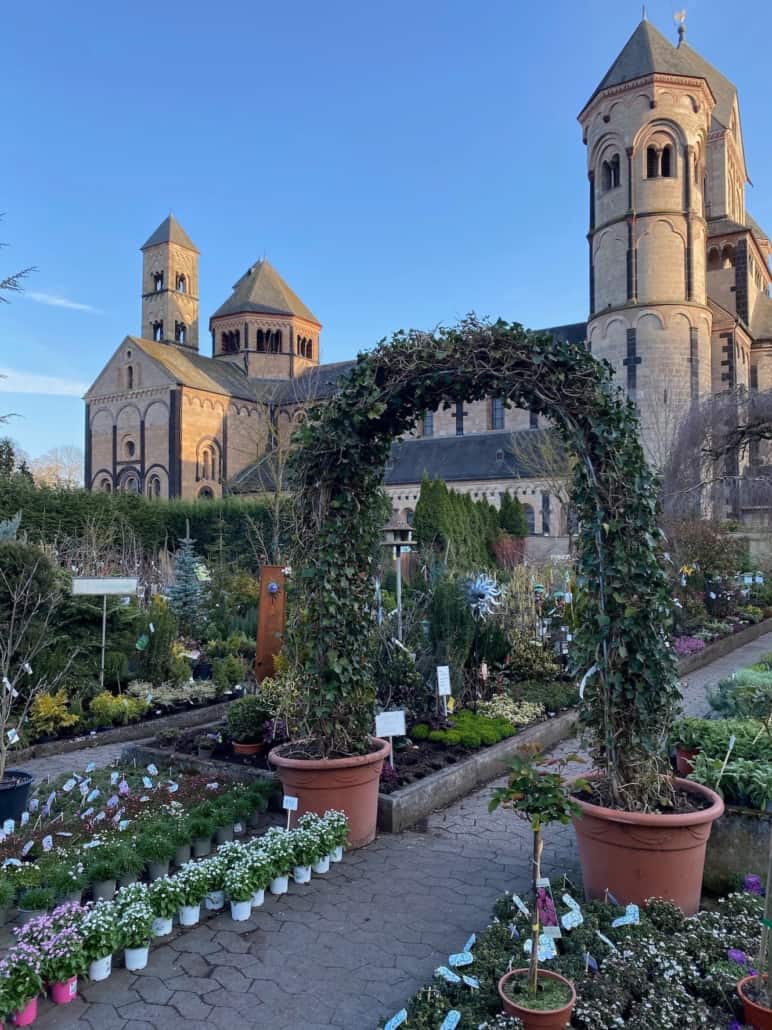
170	231
192	369
499	455
261	289
647	52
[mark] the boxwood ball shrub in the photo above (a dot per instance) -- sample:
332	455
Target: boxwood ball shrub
624	605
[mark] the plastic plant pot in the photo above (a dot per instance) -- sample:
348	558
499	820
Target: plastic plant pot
322	866
27	1015
240	911
182	854
214	901
258	898
62	993
155	870
280	885
301	874
189	914
202	846
162	926
224	834
103	890
100	968
136	958
336	855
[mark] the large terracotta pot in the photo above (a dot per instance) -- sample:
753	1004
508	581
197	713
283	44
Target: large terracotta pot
755	1015
538	1019
640	855
347	784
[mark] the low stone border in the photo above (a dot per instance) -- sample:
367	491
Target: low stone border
738	844
407	806
163	757
723	647
199	716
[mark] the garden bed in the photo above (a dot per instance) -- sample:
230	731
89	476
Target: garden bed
720	648
738	844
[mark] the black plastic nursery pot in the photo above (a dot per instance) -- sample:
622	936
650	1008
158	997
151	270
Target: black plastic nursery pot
14	791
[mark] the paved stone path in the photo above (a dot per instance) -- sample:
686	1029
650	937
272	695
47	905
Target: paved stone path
56	765
349	948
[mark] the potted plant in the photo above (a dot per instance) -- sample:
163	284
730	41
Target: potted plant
128	864
63	961
241	808
216	868
541	999
100	935
239	885
687	737
755	991
34	902
180	835
246	720
193	883
101	872
336	825
67	882
7	898
225	820
136	929
305	850
20	974
260	871
156	847
163	897
279	851
203	820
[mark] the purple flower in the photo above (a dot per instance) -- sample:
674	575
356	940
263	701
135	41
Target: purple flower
736	955
753	884
735	1025
688	645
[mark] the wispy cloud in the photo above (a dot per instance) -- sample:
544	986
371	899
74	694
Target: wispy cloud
53	300
18	381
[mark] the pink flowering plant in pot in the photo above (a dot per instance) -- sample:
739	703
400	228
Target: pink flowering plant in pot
22	982
62	962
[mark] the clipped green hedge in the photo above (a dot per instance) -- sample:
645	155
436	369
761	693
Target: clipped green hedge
220	525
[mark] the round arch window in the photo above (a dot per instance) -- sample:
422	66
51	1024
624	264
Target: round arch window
129	448
206	494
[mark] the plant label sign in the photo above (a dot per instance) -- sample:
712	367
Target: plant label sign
443	685
8	827
390	724
289	804
451	1021
396	1020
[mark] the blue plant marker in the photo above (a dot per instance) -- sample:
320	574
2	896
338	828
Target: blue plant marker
396	1020
447	974
610	897
471	941
461	958
591	963
451	1021
472	981
91	767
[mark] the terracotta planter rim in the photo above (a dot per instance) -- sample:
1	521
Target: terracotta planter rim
548	974
348	762
655	818
744	997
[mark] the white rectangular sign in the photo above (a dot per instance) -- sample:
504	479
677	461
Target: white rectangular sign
100	585
390	724
290	803
443	680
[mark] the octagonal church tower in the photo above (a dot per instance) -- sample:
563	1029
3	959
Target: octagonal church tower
648	130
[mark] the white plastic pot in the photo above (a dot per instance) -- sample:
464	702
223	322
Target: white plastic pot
100	968
336	855
190	914
302	874
258	898
215	900
322	866
162	926
240	910
136	958
280	885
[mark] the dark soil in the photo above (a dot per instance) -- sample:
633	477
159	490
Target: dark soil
310	750
550	994
416	761
679	802
187	743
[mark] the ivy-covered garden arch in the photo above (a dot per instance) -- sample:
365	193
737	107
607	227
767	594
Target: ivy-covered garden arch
337	474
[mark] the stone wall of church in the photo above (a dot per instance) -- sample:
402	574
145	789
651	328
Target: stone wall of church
170	305
263	364
478	418
202	417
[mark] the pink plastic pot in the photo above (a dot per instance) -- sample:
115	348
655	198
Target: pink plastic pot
63	992
26	1015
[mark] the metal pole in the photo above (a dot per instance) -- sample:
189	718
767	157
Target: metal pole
399	594
104	638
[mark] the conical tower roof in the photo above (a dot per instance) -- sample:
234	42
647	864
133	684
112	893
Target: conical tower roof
262	289
648	52
170	231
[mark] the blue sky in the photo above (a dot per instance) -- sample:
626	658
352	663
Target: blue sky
400	164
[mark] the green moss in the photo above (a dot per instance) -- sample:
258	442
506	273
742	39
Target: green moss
420	731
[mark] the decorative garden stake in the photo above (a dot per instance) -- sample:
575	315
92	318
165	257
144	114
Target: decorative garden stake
270	619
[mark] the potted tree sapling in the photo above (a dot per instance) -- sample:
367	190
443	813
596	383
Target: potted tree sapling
193	883
136	929
246	722
539	997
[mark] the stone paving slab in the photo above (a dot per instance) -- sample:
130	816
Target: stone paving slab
349	948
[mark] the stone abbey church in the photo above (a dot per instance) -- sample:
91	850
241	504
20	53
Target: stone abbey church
678	303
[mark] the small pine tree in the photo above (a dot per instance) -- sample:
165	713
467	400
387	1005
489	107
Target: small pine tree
186	595
7	457
512	517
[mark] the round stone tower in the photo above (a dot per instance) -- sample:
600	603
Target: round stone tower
646	128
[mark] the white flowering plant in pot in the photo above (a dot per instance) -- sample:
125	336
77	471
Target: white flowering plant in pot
100	931
136	925
240	883
280	851
260	867
193	883
163	897
131	894
336	825
306	846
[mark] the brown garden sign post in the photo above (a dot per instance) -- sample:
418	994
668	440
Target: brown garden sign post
270	619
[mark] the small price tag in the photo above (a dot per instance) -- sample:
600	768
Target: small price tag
47	842
95	793
606	941
124	788
443	680
67	787
27	848
632	917
173	788
8	827
91	767
24	819
112	801
152	769
471	981
114	777
451	1021
447	975
34	805
289	803
123	824
521	905
470	942
461	958
99	817
13	736
50	799
147	783
87	813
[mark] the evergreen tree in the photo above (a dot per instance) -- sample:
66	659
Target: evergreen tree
512	517
25	472
7	457
186	592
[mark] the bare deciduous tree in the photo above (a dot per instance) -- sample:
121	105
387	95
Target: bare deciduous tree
60	466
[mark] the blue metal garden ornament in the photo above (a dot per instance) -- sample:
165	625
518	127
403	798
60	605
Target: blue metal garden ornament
483	593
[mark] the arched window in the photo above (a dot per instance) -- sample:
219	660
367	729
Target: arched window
158	281
727	256
207	471
129	378
158	330
106	486
260	341
714	260
154	487
277	334
497	413
605	177
180	332
129	448
182	284
131	485
666	164
530	518
275	342
652	163
230	342
615	175
205	493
